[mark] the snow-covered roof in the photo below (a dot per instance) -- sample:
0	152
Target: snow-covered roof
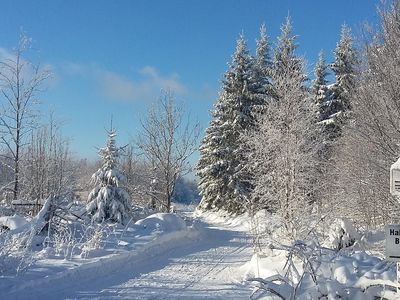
13	222
396	165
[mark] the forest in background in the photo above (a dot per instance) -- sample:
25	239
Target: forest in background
277	139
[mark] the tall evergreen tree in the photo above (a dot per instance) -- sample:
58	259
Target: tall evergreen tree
225	182
108	200
320	89
322	99
344	69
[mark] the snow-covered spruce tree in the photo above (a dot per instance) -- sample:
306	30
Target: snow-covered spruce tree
322	95
336	109
225	181
283	57
320	88
264	89
108	201
263	64
339	109
344	69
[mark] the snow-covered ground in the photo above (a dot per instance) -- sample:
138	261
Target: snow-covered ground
163	259
205	268
203	256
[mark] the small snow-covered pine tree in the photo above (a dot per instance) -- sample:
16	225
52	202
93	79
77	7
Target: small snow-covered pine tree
108	201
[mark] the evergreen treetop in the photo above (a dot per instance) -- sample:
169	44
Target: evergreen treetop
320	89
263	63
284	54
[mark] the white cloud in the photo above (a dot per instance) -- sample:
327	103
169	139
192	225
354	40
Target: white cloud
75	69
147	88
119	87
170	82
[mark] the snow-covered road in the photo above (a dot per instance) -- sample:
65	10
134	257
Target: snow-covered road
207	268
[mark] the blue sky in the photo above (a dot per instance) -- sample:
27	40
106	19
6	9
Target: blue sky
113	57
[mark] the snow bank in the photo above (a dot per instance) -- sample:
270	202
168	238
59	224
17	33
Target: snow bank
264	266
124	247
18	224
262	220
163	222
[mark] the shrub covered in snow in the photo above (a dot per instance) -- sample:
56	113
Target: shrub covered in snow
341	234
16	253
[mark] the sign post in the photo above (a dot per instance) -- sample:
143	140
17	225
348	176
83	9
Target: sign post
398	277
392	232
393	248
393	242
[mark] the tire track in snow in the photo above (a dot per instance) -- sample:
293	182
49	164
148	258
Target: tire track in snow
205	268
208	270
210	273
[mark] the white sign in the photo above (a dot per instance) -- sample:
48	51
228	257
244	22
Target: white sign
395	178
393	242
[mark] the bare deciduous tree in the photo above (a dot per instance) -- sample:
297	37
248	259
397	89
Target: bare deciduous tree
167	141
138	175
47	168
285	152
20	82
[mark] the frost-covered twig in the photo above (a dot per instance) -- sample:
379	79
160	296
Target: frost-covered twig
269	285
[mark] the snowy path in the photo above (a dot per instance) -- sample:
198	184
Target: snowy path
208	268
